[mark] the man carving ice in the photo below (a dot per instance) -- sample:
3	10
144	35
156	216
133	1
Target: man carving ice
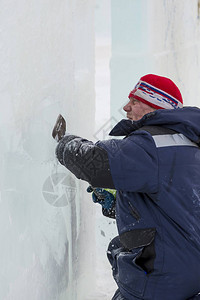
155	170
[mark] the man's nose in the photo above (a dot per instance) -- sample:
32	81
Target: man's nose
127	107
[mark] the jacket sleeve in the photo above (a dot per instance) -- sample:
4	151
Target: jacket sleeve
86	160
129	165
133	162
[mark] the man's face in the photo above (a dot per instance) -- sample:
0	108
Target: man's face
136	109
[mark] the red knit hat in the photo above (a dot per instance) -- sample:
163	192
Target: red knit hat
158	92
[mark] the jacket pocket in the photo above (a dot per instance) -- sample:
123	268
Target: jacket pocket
134	211
141	239
131	277
128	274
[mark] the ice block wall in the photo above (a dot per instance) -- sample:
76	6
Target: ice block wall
47	68
155	36
105	227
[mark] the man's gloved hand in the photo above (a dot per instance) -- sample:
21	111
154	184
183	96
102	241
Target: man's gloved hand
105	197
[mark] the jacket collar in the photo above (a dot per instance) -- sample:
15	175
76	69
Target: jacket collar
185	120
125	127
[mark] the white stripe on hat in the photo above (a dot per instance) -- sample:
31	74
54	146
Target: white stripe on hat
156	96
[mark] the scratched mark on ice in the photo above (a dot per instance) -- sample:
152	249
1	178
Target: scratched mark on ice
103	233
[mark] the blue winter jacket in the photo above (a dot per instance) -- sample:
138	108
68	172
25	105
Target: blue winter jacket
156	172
